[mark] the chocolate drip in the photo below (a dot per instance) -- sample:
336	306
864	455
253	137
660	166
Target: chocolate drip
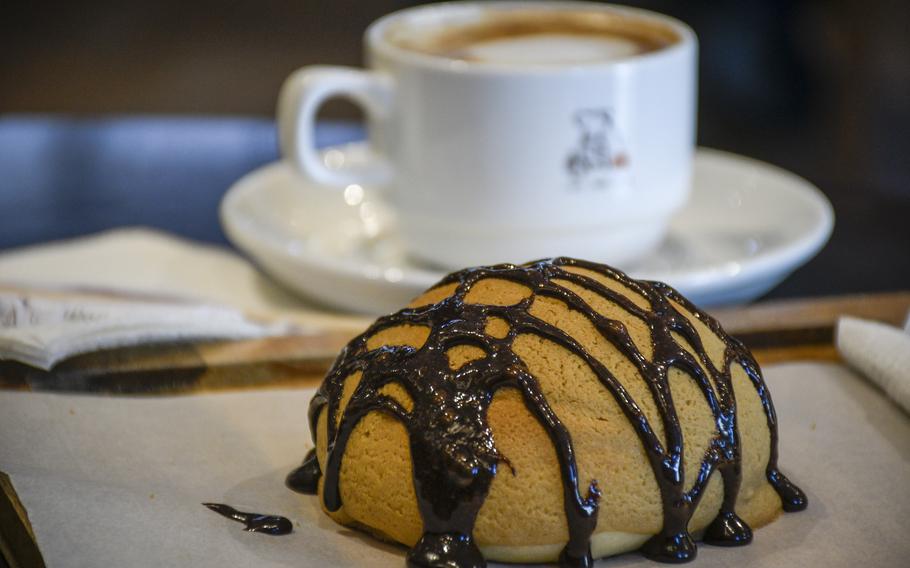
268	524
452	447
305	479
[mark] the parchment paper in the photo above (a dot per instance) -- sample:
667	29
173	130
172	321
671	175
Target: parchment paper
119	481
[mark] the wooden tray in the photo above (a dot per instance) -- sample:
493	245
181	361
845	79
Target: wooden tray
775	331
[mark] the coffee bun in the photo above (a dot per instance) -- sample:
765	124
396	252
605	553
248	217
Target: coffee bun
517	406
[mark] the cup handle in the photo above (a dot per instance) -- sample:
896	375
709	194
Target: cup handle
301	96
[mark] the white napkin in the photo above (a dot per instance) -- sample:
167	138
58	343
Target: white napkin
133	286
42	328
880	352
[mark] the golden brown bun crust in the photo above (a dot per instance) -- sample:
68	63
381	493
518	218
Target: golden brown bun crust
523	516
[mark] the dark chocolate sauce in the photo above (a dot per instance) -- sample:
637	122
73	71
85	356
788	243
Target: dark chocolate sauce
305	479
452	449
268	524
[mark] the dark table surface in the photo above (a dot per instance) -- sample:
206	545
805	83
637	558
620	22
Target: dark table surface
65	177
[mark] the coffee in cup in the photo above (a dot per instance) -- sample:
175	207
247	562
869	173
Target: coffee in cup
538	37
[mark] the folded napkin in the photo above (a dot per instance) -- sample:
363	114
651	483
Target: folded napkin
880	352
41	328
134	286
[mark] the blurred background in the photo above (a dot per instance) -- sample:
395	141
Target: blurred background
821	88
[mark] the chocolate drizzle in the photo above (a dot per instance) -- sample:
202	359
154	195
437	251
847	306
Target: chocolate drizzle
305	479
268	524
453	453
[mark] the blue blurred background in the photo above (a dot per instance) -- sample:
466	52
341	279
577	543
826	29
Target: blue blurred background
102	102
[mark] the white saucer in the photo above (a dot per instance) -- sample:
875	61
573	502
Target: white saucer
746	227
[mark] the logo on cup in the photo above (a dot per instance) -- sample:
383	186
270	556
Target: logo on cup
600	154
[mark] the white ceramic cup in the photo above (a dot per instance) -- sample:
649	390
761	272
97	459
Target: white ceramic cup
493	161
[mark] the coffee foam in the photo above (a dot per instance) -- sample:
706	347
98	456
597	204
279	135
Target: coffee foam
533	36
550	48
